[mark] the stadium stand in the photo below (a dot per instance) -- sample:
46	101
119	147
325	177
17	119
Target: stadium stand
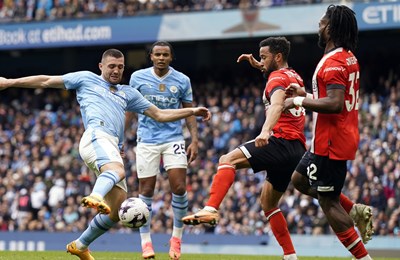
39	10
43	10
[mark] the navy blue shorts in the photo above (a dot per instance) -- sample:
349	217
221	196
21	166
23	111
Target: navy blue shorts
327	176
279	159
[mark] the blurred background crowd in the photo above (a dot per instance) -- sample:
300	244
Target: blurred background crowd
40	10
42	178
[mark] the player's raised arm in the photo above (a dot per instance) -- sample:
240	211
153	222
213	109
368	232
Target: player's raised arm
39	81
253	62
169	115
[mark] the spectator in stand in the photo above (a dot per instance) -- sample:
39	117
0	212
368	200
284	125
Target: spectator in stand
57	194
22	11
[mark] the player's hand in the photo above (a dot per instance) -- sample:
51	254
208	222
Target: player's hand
3	83
253	62
294	90
288	104
262	138
192	151
203	112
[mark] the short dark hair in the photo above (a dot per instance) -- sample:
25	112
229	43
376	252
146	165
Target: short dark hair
112	53
343	28
277	45
162	43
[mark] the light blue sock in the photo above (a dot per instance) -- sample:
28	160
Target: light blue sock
105	182
180	208
99	225
146	227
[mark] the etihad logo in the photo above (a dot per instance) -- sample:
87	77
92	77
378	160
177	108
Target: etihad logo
382	14
161	99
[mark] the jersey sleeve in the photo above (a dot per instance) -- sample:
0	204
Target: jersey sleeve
133	82
275	82
137	103
74	80
187	96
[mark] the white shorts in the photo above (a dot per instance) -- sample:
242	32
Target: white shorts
98	148
148	157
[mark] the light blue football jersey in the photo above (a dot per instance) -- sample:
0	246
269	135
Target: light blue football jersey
102	104
169	92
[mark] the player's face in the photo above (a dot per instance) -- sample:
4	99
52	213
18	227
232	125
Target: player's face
161	57
112	69
323	32
268	61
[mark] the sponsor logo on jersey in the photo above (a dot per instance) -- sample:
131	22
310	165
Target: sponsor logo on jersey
158	99
334	69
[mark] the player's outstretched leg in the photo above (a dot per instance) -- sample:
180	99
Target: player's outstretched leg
82	254
362	217
207	215
222	181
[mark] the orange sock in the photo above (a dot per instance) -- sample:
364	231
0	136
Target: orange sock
280	230
221	183
346	203
352	242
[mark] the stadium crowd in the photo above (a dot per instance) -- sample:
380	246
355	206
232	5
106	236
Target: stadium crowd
42	178
41	10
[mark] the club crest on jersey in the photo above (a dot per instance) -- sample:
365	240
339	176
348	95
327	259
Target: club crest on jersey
161	87
173	89
113	89
122	94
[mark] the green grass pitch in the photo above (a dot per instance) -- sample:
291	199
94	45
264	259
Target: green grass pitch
40	255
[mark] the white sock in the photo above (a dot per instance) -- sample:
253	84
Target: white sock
98	195
177	232
79	245
290	257
145	238
209	208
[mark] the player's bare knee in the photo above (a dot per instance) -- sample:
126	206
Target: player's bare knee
226	158
265	205
179	190
147	191
327	202
121	172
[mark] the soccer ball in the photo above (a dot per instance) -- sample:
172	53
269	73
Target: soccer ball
133	213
